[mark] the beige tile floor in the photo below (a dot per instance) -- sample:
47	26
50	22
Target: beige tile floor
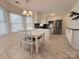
55	48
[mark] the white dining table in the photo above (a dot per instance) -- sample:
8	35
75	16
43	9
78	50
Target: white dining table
37	34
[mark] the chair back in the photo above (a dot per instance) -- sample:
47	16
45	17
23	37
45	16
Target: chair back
28	35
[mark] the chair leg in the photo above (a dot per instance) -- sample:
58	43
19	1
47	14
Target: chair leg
31	48
31	51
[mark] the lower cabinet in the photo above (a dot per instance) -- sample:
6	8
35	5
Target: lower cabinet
72	36
68	35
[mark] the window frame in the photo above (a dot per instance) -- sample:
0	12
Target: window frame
12	30
4	21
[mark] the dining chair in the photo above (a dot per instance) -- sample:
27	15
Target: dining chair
28	40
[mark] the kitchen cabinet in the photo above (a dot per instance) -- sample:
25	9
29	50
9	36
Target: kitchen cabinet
72	35
68	35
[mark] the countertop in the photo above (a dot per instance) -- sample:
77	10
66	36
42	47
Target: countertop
72	28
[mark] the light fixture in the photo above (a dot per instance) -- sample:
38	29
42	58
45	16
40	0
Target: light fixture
27	12
17	2
52	14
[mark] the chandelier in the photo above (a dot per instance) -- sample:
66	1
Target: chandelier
27	12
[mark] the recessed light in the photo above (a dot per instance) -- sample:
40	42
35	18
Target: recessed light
17	2
52	14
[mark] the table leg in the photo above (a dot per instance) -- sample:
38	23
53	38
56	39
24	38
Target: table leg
36	45
43	40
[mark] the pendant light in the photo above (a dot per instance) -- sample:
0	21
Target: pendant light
27	12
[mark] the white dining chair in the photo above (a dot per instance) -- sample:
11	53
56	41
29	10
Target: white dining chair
28	40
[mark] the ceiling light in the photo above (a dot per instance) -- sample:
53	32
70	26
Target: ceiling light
52	14
24	12
17	2
27	12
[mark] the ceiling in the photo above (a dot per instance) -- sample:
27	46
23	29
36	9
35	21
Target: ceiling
46	6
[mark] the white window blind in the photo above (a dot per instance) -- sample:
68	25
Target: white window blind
3	24
16	22
29	23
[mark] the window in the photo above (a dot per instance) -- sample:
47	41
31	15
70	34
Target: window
3	24
16	22
29	23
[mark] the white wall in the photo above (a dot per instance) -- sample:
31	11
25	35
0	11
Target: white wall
73	23
68	22
35	16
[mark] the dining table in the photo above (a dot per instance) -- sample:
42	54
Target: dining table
36	35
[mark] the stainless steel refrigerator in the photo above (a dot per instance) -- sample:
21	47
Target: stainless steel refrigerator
58	27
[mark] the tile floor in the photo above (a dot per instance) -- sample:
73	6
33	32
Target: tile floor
55	48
